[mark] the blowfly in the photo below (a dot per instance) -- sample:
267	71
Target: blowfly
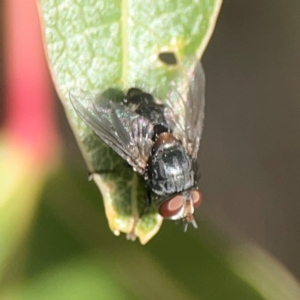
159	139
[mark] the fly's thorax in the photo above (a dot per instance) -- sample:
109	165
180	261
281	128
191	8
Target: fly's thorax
170	168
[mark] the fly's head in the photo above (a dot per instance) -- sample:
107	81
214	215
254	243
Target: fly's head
181	206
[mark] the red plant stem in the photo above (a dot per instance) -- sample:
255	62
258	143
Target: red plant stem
29	109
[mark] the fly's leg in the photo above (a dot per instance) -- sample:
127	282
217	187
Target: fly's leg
148	197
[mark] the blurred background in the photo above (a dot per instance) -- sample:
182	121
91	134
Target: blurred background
250	177
250	151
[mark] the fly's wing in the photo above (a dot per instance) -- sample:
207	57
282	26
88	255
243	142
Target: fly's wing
126	132
184	111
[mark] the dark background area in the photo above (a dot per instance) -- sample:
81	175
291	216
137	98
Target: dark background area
250	149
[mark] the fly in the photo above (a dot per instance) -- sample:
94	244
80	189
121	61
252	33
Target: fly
159	141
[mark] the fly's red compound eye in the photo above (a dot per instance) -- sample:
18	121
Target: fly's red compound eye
197	198
171	207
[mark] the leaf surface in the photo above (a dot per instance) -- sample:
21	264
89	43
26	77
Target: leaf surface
99	45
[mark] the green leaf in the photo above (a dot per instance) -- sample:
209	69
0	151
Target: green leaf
98	45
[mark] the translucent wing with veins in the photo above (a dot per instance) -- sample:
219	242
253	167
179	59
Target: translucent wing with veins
126	132
184	111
